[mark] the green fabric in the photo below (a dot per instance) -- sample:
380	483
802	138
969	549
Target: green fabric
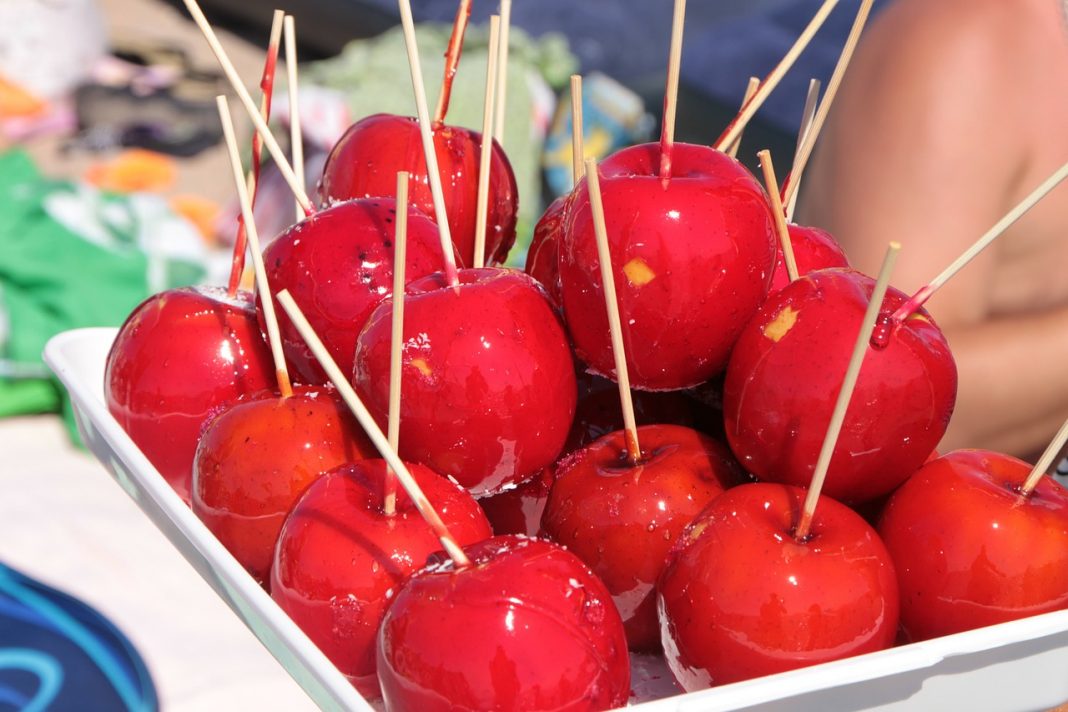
374	78
73	256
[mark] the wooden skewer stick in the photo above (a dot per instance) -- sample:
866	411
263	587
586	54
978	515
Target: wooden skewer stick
502	71
671	95
1046	461
808	115
433	172
367	422
400	256
615	326
781	227
482	199
577	138
772	80
920	297
273	335
845	393
246	101
296	136
754	84
452	60
237	263
828	99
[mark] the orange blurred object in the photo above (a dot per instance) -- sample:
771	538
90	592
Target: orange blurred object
200	211
133	171
16	101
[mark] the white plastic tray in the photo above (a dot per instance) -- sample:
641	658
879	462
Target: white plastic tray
1014	666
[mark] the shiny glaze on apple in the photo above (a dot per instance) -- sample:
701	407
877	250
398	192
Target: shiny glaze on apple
340	560
623	519
338	265
488	382
180	356
518	510
692	262
366	159
786	370
544	251
526	627
813	249
258	456
741	598
969	550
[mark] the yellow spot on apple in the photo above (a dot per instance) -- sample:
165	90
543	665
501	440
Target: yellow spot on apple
781	324
422	366
919	317
638	273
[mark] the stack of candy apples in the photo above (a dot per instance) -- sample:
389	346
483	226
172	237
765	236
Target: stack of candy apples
654	440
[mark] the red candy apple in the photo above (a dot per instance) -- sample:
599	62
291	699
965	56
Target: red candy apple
692	263
970	549
518	510
257	457
488	382
526	627
180	356
622	519
786	370
367	158
338	265
741	597
340	559
813	249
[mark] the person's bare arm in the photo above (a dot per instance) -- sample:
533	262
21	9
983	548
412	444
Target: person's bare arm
927	145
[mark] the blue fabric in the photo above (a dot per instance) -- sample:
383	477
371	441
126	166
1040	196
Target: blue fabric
726	41
58	654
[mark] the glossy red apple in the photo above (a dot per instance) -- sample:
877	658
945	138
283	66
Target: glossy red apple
338	265
340	560
970	550
740	597
813	249
366	159
692	263
257	457
544	251
622	519
526	627
518	510
180	356
488	382
786	370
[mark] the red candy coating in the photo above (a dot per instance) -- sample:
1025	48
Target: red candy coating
180	356
788	366
488	382
969	550
813	249
257	457
340	560
544	251
692	263
526	627
338	265
366	159
740	598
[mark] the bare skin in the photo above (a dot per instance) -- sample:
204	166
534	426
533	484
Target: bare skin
951	113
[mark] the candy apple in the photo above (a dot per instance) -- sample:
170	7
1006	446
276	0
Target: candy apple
366	159
785	372
518	510
622	519
338	265
340	559
543	253
740	597
256	458
180	356
970	549
813	249
692	260
526	627
488	382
